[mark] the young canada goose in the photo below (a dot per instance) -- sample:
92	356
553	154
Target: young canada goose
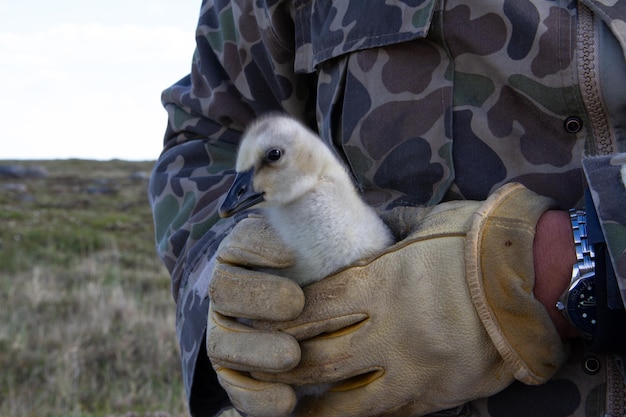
307	196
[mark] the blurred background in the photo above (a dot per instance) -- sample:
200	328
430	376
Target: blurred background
82	78
87	324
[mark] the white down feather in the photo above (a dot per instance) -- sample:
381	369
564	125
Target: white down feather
308	196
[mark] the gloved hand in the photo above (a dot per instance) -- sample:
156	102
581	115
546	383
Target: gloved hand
445	316
238	294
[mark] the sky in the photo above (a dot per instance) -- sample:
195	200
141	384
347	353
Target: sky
83	78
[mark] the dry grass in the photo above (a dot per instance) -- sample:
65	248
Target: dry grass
87	316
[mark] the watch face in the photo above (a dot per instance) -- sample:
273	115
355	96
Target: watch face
581	305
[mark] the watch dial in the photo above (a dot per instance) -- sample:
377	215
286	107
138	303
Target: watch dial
581	306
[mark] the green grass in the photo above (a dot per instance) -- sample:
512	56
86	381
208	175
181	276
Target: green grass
87	318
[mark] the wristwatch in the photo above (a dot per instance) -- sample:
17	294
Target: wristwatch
578	302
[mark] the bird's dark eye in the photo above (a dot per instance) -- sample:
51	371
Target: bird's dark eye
274	154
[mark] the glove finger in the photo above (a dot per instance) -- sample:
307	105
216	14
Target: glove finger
341	358
256	398
255	244
237	346
335	328
351	402
331	305
239	292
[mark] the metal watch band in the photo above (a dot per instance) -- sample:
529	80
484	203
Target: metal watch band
578	302
584	251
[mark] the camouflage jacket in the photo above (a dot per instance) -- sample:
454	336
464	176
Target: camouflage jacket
425	101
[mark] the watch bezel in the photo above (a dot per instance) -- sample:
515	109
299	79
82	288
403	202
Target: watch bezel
580	305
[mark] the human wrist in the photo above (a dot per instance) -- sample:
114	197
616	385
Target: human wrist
554	255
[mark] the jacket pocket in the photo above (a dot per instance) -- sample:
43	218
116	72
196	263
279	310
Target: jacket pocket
326	29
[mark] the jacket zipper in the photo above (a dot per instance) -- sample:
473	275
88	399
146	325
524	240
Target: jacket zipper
589	79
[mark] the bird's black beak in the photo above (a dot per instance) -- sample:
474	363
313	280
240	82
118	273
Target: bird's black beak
241	195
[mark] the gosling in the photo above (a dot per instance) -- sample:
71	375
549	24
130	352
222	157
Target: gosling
307	195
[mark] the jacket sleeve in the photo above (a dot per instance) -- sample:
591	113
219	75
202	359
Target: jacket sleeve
239	70
605	172
606	178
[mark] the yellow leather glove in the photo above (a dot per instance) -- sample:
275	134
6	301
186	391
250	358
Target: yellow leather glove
445	316
239	292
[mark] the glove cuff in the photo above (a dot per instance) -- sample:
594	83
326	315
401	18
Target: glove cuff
501	278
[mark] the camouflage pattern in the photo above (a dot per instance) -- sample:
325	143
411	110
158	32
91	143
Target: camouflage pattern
426	101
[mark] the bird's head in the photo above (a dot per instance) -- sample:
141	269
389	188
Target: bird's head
278	161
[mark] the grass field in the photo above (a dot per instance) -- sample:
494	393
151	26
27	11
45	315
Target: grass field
87	319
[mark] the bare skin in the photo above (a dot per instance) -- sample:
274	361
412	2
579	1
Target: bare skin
554	255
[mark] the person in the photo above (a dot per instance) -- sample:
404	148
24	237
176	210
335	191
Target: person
472	127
